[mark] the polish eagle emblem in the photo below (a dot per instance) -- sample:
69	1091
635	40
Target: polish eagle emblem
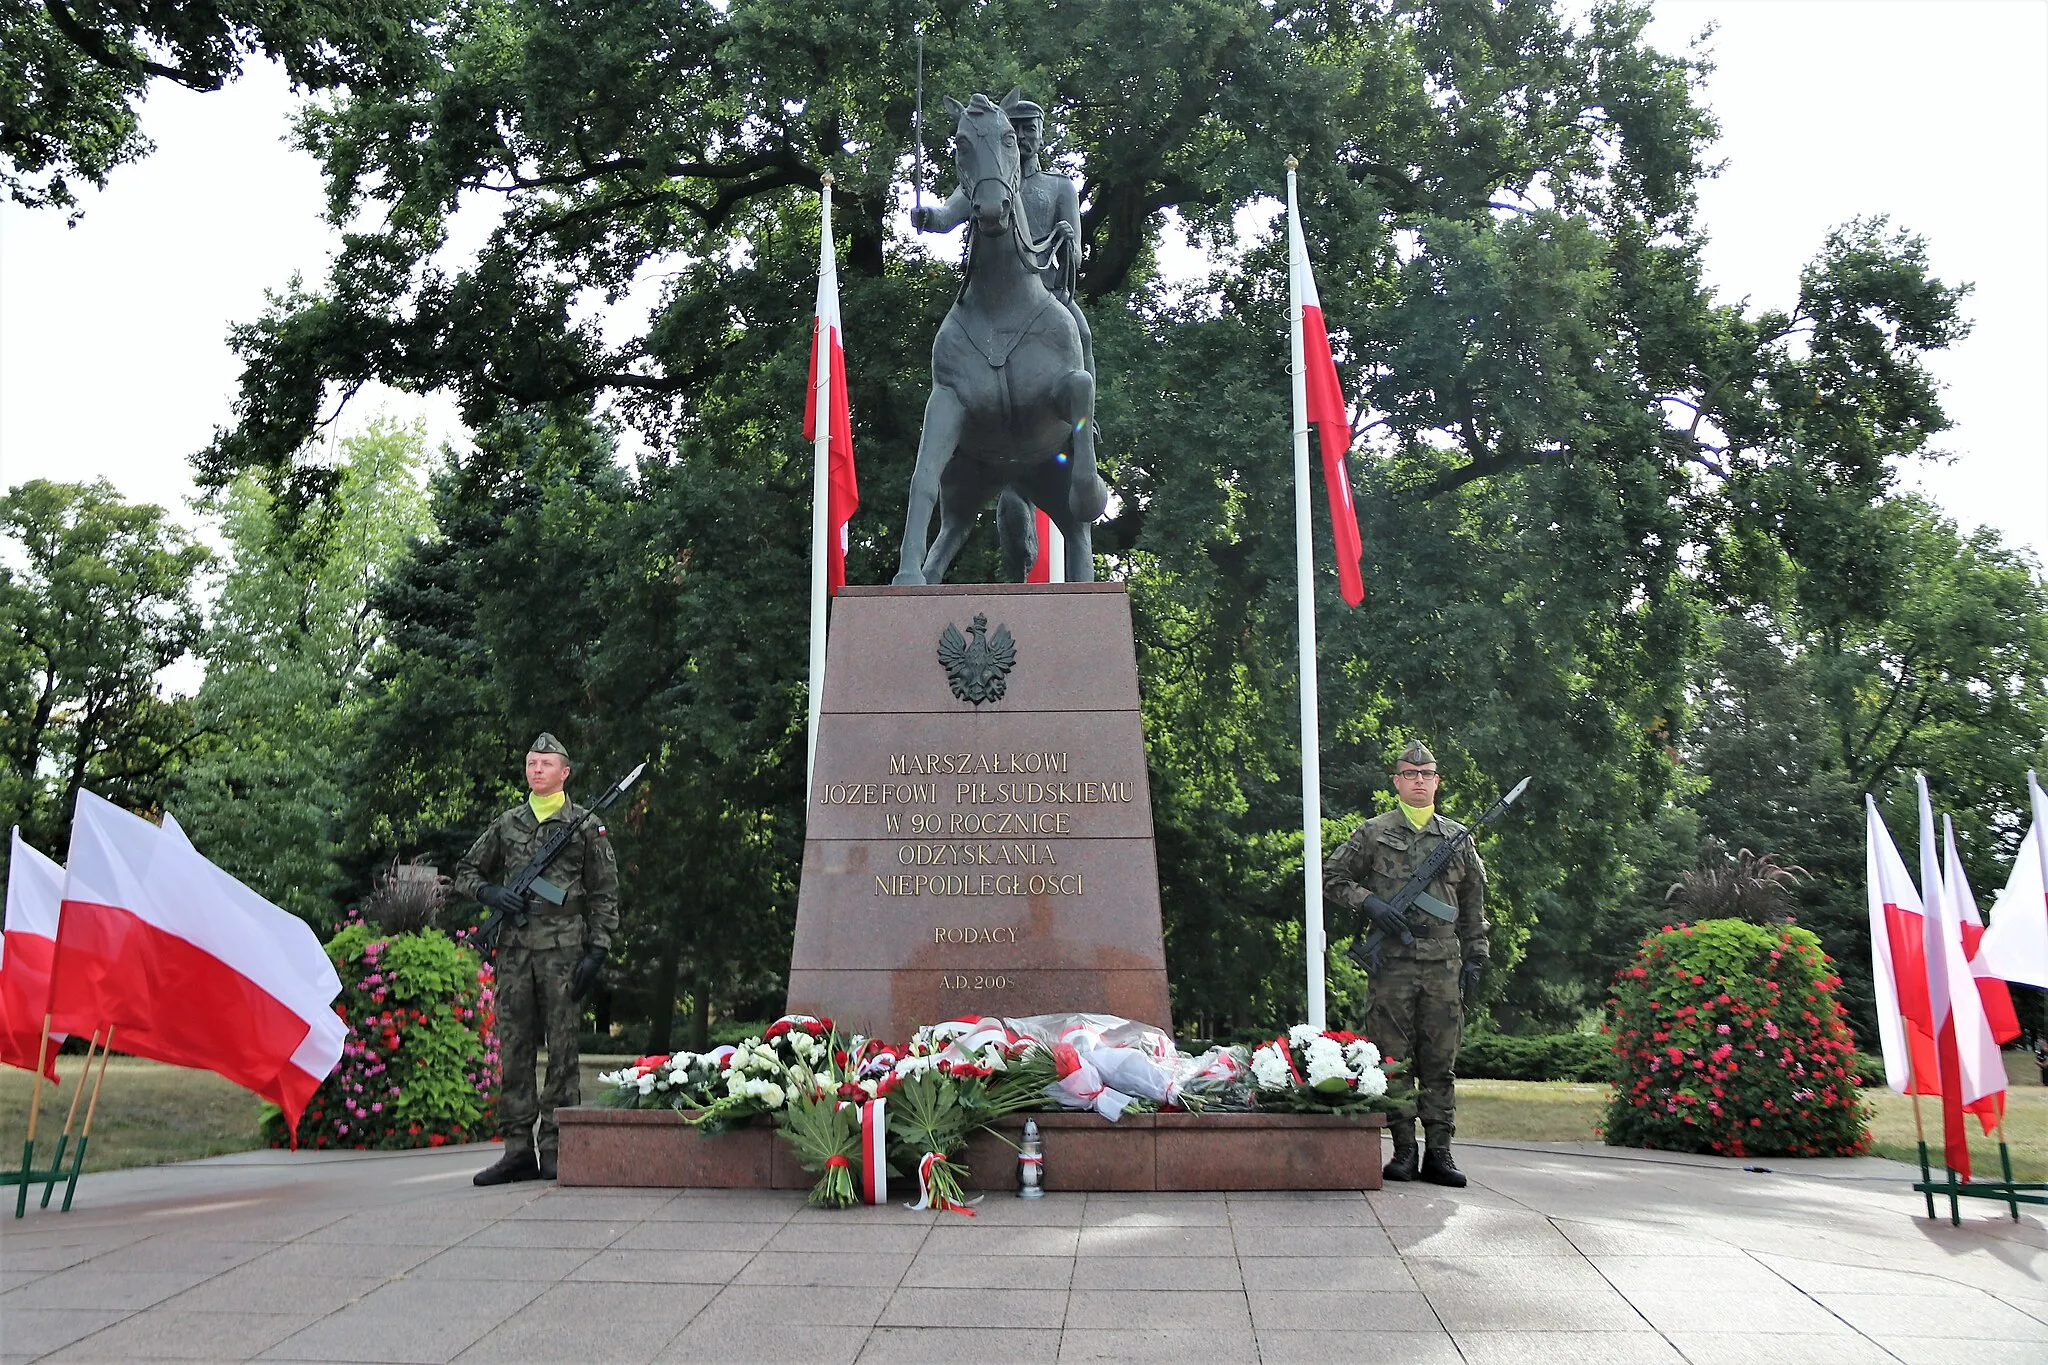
978	663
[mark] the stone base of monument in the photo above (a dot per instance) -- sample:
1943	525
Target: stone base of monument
1184	1152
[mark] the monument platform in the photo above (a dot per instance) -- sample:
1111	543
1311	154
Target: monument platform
980	833
656	1148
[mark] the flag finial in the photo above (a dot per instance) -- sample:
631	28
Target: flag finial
1292	163
828	180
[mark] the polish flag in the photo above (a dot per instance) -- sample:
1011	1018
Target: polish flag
828	388
2015	947
35	888
1972	1070
1041	567
1991	991
1325	407
1898	964
189	965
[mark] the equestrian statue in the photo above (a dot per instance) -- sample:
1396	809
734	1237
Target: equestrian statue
1012	407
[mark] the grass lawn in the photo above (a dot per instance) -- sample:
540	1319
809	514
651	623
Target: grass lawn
150	1113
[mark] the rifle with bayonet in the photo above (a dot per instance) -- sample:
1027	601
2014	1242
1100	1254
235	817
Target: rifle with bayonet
1389	916
533	876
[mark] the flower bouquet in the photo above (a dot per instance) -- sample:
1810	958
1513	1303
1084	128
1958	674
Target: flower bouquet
1319	1071
678	1080
825	1134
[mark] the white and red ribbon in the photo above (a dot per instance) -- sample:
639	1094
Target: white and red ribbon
874	1152
925	1199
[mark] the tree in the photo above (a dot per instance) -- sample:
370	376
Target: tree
98	600
287	656
73	71
1574	456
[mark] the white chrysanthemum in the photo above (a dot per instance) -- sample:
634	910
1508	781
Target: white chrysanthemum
1362	1053
647	1083
1301	1034
801	1043
735	1083
1270	1069
1372	1081
1326	1062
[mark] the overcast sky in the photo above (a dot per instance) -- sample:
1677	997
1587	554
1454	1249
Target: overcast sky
114	361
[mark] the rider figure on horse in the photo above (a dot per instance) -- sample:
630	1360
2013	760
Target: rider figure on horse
1052	206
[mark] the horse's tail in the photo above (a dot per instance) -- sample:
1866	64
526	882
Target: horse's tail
1016	534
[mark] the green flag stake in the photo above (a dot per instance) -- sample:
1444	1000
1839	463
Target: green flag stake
85	1133
35	1103
70	1118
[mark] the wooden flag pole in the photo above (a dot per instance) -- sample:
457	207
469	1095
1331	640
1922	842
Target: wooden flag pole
85	1134
35	1101
70	1117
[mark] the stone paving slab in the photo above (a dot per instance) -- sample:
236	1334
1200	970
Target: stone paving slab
1556	1253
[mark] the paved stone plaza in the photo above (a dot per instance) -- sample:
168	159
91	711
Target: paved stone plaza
1556	1253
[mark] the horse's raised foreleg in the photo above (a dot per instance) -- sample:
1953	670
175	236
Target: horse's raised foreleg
943	415
1087	494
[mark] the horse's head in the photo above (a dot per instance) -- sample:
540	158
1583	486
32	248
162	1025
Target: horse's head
985	156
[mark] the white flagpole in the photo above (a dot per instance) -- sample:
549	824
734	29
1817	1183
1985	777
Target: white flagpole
821	476
1055	554
1305	609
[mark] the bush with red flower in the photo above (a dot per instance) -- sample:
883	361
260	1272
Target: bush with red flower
1728	1041
420	1066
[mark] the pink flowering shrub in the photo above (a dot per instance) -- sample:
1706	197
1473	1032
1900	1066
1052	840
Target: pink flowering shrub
420	1067
1728	1040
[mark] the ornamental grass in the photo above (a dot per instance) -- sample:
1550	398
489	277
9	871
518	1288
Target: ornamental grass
420	1066
1728	1041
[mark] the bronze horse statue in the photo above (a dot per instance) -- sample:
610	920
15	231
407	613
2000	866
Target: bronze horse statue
1012	402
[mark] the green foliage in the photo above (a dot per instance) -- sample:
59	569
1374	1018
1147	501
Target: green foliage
97	597
1598	502
287	654
72	74
420	1067
1538	1057
1729	1040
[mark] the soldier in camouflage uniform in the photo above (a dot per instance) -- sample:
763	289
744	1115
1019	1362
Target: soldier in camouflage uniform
1420	989
548	956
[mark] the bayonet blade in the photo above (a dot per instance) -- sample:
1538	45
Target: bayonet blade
1520	787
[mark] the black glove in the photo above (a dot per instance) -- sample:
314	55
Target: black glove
502	899
1388	920
584	978
1469	977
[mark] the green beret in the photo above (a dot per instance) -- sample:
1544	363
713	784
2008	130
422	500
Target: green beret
1418	754
547	744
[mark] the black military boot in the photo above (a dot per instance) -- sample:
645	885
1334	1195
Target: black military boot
516	1164
547	1165
1437	1166
1402	1167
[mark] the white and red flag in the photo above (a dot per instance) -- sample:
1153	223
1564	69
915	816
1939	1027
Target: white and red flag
1972	1069
1992	993
35	890
2015	947
190	966
1898	964
828	393
1322	402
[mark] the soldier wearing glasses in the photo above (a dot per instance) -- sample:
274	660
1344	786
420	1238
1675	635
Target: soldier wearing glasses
1419	988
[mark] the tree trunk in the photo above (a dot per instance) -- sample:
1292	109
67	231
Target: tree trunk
700	1019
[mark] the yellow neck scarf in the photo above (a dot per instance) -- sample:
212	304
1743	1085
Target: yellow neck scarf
1418	816
545	806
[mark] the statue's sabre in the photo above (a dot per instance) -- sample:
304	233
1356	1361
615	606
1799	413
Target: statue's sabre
917	131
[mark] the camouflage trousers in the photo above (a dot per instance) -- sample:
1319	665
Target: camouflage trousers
1414	1014
534	1002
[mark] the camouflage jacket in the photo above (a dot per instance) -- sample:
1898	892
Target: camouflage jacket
586	870
1381	855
